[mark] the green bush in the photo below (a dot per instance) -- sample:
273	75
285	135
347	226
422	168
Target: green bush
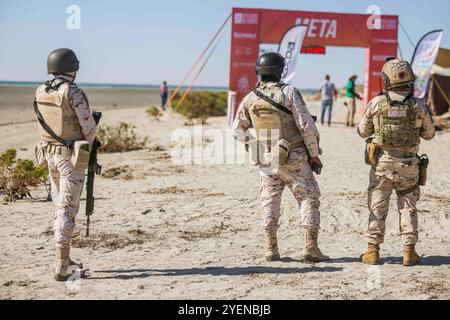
154	112
119	138
202	104
17	176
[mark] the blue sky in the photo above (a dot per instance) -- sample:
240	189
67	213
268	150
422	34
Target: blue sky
145	42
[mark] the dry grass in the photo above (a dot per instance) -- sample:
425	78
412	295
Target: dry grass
120	138
120	172
111	241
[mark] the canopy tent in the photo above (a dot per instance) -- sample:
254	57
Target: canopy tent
443	58
438	95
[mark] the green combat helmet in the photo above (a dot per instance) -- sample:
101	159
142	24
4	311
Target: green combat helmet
62	60
397	73
270	64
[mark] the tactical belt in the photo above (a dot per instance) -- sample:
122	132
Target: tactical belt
398	153
409	190
296	145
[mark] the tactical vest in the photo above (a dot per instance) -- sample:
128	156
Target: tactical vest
57	112
395	125
266	119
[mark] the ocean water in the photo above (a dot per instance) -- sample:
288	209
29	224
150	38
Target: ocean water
129	86
112	86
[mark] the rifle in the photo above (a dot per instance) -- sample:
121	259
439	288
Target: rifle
93	169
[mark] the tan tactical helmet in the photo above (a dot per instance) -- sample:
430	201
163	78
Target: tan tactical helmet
397	73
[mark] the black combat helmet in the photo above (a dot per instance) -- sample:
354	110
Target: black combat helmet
270	64
62	60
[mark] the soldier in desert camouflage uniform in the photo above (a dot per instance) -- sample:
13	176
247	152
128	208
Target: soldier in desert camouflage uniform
398	121
65	110
293	149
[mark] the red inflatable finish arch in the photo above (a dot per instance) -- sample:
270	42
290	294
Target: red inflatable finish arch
250	27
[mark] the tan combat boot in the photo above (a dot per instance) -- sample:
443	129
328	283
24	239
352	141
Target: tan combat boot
311	251
410	257
62	264
271	252
372	256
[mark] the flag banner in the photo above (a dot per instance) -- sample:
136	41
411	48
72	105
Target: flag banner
289	48
423	59
231	107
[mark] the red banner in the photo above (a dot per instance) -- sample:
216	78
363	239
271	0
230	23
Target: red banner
245	40
250	27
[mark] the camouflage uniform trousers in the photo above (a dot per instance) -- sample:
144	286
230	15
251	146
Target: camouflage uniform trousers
66	187
398	175
297	175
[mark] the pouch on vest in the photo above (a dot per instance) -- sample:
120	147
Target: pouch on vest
39	155
423	165
258	153
280	152
371	153
80	154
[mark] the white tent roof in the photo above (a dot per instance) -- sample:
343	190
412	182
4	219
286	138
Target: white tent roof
435	69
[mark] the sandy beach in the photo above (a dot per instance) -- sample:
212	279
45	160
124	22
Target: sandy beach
163	230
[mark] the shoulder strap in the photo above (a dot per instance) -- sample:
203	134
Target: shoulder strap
281	85
49	130
277	105
49	84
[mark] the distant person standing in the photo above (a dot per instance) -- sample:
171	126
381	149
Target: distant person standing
351	102
164	92
327	91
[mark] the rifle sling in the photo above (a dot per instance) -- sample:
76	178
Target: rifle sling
68	144
277	105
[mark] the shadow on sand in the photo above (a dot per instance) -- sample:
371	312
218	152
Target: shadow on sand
424	261
213	271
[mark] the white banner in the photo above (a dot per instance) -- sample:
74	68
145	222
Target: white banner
289	48
231	109
423	59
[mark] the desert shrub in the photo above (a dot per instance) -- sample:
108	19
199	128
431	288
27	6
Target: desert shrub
119	138
154	112
202	104
17	176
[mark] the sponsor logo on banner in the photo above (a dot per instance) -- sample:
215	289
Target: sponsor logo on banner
423	59
244	35
388	24
319	28
245	18
243	83
239	50
290	49
380	57
238	64
384	40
